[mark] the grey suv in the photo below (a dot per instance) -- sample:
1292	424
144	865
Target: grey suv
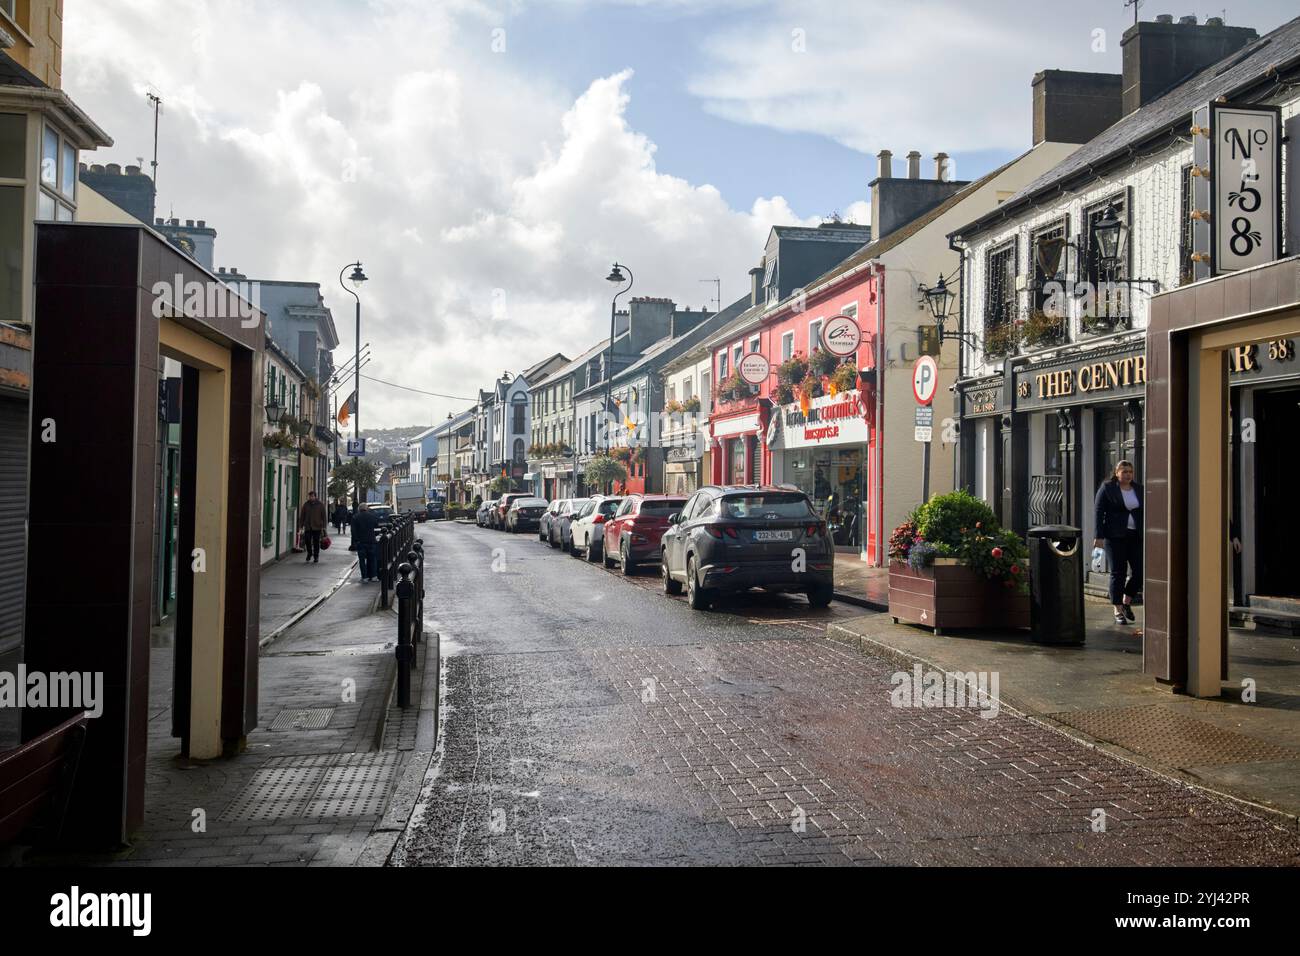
736	537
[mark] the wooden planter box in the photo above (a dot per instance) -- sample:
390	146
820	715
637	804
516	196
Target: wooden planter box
950	595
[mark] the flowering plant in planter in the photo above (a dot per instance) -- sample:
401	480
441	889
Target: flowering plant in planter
959	525
822	362
844	378
691	404
792	371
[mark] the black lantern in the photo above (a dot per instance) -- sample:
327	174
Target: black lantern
1111	233
940	299
616	274
357	275
274	412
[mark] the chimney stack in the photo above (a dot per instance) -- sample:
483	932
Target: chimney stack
884	164
913	165
941	167
1160	55
755	285
1073	107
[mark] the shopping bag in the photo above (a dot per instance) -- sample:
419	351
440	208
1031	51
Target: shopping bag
324	541
1099	560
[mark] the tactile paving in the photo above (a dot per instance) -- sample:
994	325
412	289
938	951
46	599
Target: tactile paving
1157	731
319	785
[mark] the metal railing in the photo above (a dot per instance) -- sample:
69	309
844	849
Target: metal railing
1046	499
392	540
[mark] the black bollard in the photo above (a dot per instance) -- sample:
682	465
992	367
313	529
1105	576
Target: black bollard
385	563
405	649
417	611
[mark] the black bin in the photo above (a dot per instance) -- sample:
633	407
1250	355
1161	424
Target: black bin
1056	589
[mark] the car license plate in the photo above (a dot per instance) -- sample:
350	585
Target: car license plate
773	535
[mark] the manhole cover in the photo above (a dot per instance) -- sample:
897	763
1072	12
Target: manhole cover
310	719
321	785
1156	731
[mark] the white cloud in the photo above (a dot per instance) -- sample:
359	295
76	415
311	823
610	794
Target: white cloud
485	203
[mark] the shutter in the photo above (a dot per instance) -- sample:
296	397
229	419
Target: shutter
756	461
13	518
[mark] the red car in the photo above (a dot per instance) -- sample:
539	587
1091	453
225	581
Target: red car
632	535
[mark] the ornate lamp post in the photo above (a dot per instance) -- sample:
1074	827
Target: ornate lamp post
615	276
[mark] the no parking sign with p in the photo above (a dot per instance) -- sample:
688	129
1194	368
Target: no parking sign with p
925	379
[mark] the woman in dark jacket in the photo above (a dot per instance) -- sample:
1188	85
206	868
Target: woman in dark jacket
1119	530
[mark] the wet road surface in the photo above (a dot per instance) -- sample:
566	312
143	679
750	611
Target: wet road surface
592	719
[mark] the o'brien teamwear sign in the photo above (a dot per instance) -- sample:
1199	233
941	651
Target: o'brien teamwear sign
1245	185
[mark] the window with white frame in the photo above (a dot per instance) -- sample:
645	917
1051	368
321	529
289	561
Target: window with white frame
737	351
722	366
705	393
753	343
814	335
787	346
686	389
58	178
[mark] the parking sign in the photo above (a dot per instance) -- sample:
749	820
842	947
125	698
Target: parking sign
925	379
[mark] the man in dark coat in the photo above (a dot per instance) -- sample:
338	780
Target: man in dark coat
364	523
313	520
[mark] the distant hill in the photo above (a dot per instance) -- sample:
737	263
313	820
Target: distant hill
388	445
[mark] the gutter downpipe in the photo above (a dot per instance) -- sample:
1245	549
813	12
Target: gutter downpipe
880	418
961	356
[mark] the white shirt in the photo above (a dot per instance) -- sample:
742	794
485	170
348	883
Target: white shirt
1131	503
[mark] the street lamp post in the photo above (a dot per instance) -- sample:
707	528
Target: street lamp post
615	276
357	277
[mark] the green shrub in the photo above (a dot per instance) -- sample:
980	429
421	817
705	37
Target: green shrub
945	518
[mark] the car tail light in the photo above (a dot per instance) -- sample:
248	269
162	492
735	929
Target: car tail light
814	530
599	519
718	531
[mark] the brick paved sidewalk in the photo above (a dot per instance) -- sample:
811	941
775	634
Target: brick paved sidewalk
318	772
1098	693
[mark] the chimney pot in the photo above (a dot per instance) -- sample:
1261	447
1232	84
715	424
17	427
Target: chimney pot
189	223
133	170
221	271
1188	21
203	224
1165	18
96	168
113	169
82	167
1214	21
158	221
884	164
913	165
941	167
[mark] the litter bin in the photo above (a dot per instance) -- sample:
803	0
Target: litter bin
1056	589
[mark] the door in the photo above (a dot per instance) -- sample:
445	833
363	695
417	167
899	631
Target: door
1277	416
676	534
171	530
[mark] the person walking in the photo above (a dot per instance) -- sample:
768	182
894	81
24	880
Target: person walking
340	516
1119	530
313	520
364	523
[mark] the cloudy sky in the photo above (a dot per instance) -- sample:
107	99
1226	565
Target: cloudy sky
488	159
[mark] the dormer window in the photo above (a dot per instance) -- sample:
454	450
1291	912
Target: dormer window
771	280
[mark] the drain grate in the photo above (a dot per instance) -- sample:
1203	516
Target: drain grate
320	785
312	718
1166	735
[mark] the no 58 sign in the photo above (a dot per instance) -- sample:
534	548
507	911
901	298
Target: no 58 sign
1245	181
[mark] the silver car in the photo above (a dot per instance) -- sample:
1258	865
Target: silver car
561	533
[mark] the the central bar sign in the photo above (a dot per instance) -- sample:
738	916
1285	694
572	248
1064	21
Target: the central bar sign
1093	377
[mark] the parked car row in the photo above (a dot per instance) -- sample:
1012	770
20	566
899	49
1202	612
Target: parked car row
723	538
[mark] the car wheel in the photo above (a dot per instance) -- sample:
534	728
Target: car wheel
696	596
821	596
604	553
671	585
550	539
591	553
625	561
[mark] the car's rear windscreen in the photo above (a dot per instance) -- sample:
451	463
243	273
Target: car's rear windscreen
767	506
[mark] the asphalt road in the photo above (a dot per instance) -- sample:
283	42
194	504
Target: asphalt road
592	719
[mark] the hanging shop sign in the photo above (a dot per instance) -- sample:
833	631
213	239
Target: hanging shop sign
831	420
1237	187
754	368
1101	376
840	335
